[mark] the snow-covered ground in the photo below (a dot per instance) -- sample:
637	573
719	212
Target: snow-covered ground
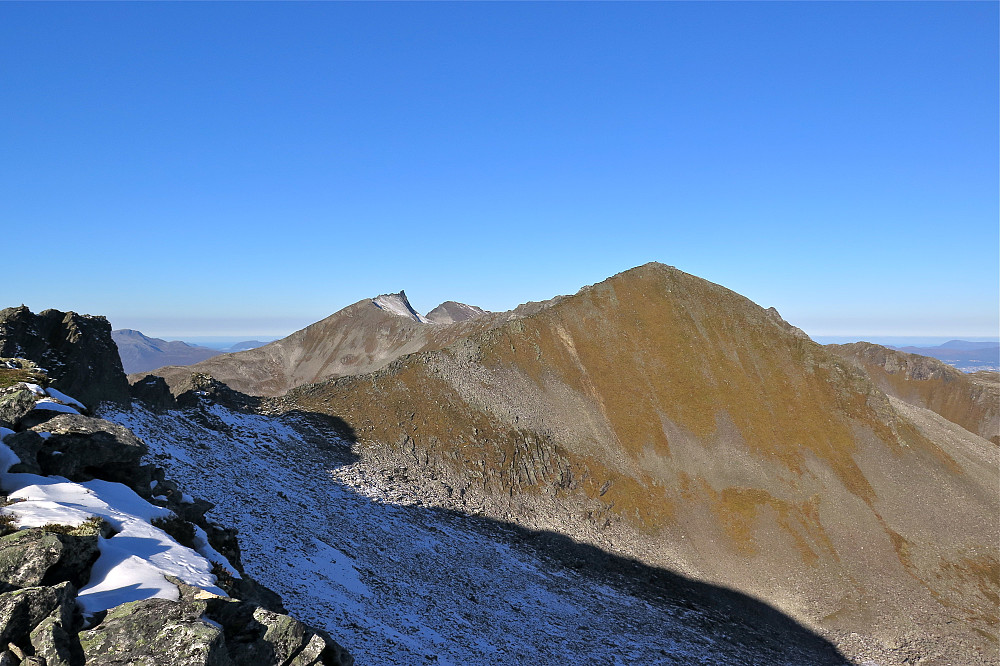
134	562
407	584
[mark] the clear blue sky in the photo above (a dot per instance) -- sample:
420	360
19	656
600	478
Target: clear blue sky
248	168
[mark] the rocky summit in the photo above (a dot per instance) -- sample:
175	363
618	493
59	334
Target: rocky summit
654	470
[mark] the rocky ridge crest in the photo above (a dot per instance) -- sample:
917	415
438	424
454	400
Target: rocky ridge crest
76	351
972	400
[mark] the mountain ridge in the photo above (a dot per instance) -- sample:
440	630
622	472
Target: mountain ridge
608	416
361	337
970	400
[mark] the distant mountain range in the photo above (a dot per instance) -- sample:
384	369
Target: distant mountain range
140	353
963	354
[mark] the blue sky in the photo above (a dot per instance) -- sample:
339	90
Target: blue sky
247	168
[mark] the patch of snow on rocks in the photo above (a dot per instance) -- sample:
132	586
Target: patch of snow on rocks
133	564
51	405
62	397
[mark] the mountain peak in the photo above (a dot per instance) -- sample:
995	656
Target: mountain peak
398	305
450	312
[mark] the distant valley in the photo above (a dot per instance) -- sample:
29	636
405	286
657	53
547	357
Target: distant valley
140	353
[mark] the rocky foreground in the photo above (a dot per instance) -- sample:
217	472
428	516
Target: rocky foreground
102	559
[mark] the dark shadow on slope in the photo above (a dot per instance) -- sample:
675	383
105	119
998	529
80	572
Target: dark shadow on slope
747	630
318	428
757	631
744	630
315	427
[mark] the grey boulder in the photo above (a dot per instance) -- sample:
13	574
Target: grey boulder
34	557
82	448
156	632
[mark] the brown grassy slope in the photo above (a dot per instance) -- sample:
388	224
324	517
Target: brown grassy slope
970	400
665	417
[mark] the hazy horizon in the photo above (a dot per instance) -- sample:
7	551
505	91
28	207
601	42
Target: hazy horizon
898	341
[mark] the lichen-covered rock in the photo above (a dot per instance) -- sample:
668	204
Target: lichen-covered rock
76	350
22	610
79	552
156	632
82	448
287	635
55	640
15	404
25	557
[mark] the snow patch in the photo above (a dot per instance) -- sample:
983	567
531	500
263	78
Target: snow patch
133	564
62	397
53	406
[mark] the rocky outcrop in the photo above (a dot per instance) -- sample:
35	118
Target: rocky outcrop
157	632
22	610
153	392
15	404
42	568
35	557
76	351
82	448
970	400
201	629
